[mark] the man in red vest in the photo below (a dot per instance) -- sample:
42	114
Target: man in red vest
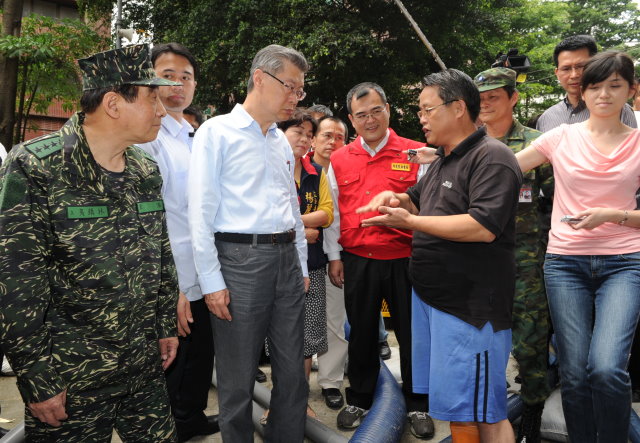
374	261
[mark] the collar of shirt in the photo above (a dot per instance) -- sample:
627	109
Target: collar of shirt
465	145
580	107
176	129
516	133
382	144
242	119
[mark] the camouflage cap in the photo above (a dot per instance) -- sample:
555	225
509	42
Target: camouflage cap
495	78
124	66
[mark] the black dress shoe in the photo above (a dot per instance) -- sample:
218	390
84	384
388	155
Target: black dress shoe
261	377
385	350
186	433
333	398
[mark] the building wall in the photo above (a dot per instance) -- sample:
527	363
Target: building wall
55	117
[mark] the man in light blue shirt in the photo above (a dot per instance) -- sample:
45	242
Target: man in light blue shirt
189	377
250	249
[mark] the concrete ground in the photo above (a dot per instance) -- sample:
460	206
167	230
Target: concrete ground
13	409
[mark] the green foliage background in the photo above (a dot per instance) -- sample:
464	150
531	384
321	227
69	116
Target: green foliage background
350	41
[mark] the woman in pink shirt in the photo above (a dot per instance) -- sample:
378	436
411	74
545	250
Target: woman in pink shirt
592	266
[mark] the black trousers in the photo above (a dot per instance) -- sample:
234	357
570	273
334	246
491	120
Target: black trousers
189	377
367	282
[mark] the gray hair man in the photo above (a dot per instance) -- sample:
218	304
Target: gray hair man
250	249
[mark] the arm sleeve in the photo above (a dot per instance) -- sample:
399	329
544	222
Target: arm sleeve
168	293
204	201
332	234
25	295
326	202
493	195
547	143
301	239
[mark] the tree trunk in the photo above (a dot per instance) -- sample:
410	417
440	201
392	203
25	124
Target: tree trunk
11	23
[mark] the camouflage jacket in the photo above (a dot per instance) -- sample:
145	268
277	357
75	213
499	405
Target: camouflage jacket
87	280
531	224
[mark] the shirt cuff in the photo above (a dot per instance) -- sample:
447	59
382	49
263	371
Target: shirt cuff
212	283
334	256
40	384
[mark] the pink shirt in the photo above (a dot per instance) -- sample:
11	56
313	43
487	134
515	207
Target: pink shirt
586	178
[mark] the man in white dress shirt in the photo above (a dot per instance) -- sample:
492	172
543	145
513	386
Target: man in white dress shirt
189	377
250	249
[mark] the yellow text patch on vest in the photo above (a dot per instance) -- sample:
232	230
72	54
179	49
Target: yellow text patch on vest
401	166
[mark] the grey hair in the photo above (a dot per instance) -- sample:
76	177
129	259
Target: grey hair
271	59
362	89
321	109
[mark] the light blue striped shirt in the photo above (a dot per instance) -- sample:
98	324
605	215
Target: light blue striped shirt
240	181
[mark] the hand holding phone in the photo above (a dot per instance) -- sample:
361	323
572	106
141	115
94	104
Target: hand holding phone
571	219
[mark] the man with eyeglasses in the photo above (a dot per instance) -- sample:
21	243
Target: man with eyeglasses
570	56
250	249
374	262
462	214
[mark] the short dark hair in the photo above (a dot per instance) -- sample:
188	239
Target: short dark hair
510	90
321	109
192	110
335	120
575	43
297	119
455	85
362	89
175	48
92	98
602	65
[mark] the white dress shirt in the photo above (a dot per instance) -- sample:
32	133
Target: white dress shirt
172	151
240	181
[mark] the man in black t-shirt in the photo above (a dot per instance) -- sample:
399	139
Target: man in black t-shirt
462	265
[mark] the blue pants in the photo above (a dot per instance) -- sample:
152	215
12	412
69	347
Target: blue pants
594	303
267	299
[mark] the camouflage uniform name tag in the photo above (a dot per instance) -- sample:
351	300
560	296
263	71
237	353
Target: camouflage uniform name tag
144	207
87	211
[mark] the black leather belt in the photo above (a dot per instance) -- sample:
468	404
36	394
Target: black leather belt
277	238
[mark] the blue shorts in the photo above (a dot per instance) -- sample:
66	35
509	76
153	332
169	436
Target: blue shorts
461	367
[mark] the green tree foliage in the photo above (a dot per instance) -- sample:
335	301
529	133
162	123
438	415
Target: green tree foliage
47	50
346	42
349	41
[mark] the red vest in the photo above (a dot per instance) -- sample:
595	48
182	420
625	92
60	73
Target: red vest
360	177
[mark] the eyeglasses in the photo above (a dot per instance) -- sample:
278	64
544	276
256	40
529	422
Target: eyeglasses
567	69
299	93
427	111
374	113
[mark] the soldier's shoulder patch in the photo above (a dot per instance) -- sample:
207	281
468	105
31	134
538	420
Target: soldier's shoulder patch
44	146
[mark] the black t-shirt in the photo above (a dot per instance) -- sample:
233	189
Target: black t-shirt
472	281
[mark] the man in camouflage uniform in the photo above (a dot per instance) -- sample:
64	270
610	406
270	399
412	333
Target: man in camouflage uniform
88	289
530	311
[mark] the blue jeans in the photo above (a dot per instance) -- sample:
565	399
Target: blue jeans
594	302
